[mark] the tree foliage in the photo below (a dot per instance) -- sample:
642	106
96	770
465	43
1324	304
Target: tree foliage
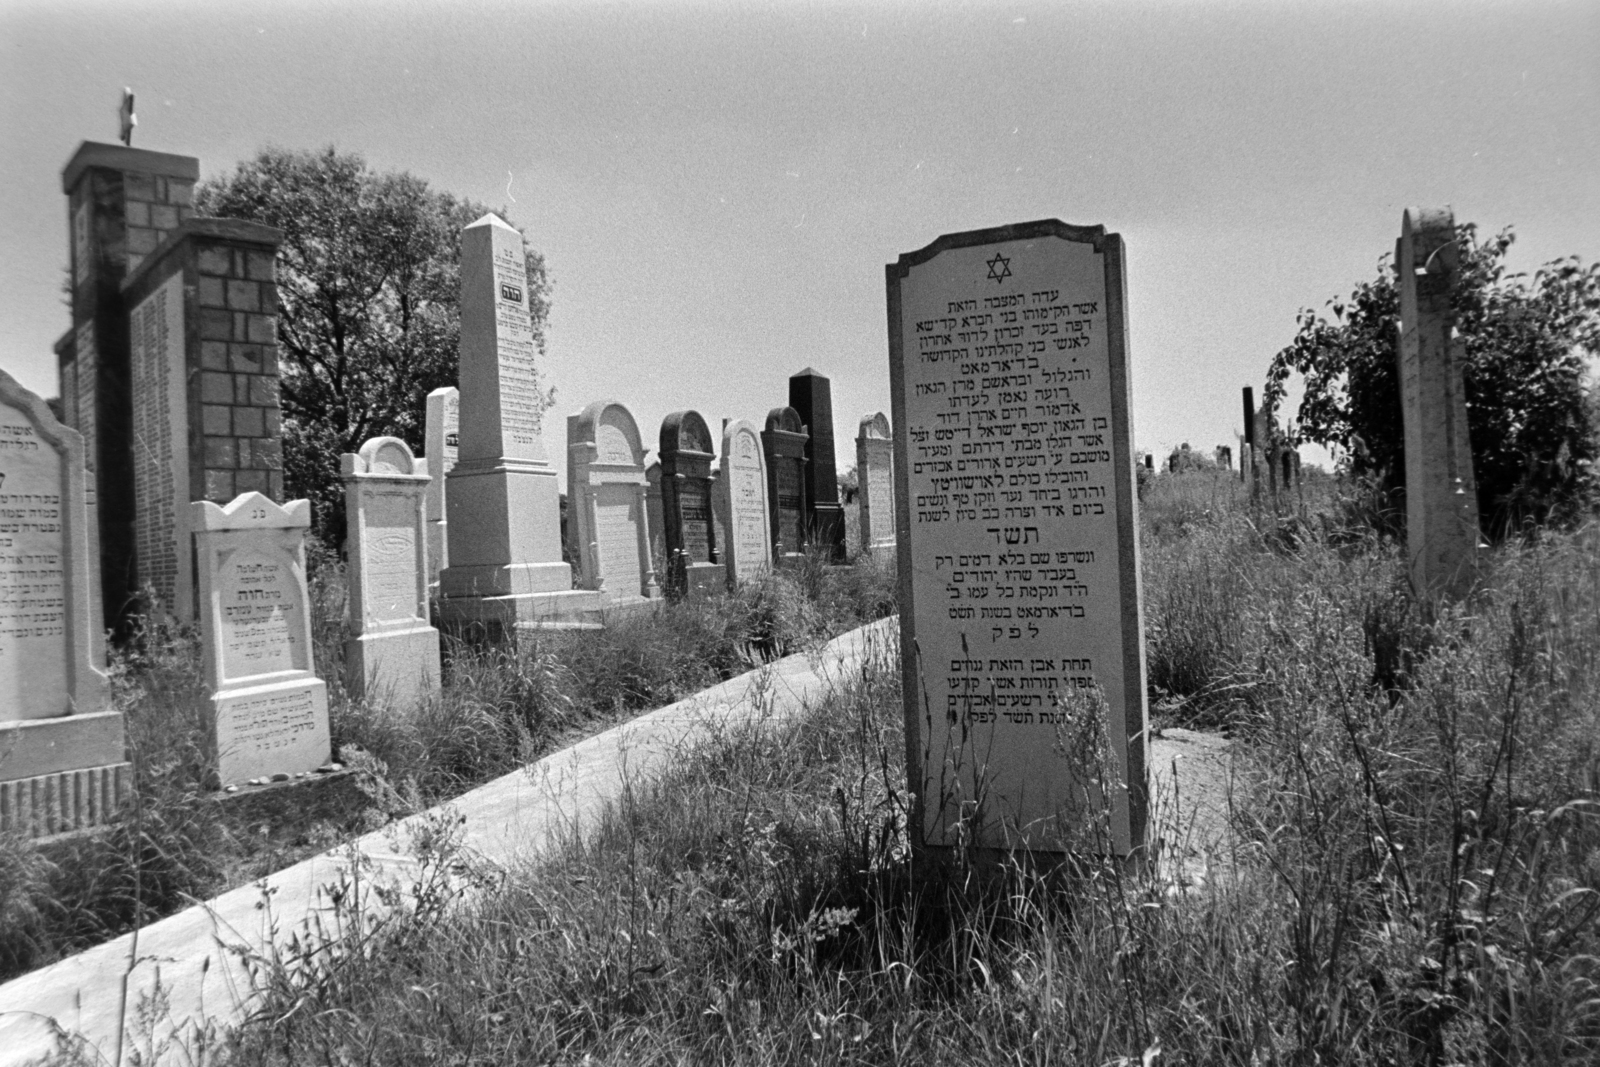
368	322
1529	416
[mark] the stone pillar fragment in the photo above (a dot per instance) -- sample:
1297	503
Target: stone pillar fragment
442	443
1441	490
393	656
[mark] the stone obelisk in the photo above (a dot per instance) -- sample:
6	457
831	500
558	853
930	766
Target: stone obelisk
501	502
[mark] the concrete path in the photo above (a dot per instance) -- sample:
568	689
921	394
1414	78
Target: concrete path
199	957
189	973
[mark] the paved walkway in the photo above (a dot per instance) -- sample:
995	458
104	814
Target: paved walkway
198	959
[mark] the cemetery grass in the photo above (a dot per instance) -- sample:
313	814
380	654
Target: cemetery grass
1413	874
178	843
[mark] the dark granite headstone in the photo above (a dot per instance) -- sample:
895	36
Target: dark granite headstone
784	444
688	526
812	398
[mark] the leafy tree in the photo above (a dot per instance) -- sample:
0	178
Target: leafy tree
367	291
1531	421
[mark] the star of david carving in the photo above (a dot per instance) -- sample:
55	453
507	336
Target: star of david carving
999	268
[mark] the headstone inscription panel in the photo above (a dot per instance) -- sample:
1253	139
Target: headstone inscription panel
270	711
393	655
875	483
607	528
1021	618
1441	487
690	531
784	444
62	761
748	519
441	443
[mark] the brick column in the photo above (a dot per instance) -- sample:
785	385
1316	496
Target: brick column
121	202
204	388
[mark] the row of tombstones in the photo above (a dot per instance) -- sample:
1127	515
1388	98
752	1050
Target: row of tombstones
697	518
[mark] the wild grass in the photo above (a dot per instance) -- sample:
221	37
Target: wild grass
1414	875
502	707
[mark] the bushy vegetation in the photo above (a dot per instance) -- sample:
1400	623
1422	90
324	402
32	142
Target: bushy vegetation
502	707
1414	874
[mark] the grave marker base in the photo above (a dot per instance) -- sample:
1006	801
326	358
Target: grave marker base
376	657
276	727
493	617
66	801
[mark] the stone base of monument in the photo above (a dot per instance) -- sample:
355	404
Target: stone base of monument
701	580
321	795
885	552
395	668
492	618
272	728
48	805
76	773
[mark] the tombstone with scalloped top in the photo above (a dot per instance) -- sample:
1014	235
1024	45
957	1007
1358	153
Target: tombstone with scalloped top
608	527
270	711
393	656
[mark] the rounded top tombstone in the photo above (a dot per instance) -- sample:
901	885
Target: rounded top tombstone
685	431
874	427
611	429
785	419
388	455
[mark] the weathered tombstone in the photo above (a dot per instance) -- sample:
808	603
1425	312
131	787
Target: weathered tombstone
502	500
393	654
1021	615
62	760
719	512
269	710
748	518
875	484
783	444
441	442
1224	457
608	529
811	396
687	524
654	523
1441	489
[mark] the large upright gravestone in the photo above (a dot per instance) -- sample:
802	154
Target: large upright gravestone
607	526
393	654
1441	490
875	483
501	500
62	760
747	518
783	444
687	524
442	442
811	396
1021	615
270	711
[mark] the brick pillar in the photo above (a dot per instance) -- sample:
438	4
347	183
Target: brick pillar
202	313
121	202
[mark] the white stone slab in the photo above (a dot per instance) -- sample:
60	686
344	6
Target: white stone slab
271	710
1019	579
607	521
744	486
393	656
875	482
441	444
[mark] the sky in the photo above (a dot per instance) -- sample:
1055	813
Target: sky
717	187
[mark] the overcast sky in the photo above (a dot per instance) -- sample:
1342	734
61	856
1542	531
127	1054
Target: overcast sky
717	187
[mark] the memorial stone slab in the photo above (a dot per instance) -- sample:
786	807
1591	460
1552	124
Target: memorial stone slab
783	445
811	396
502	501
441	443
693	554
62	759
607	526
1441	487
393	655
1021	614
654	524
269	710
748	518
875	484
